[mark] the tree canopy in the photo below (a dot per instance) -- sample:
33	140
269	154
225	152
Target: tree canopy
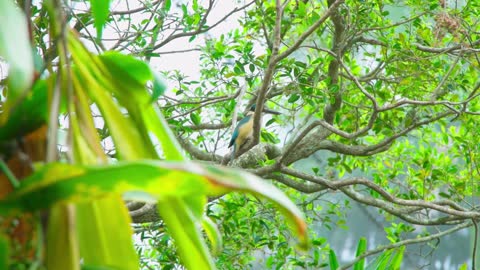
379	105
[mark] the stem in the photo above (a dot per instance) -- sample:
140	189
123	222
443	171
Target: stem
8	173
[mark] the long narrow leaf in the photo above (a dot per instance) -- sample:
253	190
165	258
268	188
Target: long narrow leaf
361	248
190	245
62	182
62	245
100	11
333	260
213	234
397	258
381	262
157	124
131	75
101	223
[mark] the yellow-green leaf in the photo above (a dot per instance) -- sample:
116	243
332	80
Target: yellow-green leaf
104	231
361	248
62	245
213	234
184	228
62	182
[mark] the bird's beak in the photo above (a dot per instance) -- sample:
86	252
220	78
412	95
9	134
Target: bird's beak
265	110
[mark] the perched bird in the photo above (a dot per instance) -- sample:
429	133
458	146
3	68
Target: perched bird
244	130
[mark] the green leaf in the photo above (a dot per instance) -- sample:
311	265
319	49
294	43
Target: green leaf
128	140
30	114
271	121
185	230
361	248
397	259
130	89
167	5
132	142
155	123
127	70
195	118
96	267
4	252
381	262
333	260
213	234
62	245
104	231
293	98
69	183
15	48
100	12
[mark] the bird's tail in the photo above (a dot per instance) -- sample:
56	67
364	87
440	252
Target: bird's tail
234	151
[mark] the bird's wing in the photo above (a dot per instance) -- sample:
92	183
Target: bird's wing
234	137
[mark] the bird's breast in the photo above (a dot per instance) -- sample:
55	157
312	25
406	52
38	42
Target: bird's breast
245	131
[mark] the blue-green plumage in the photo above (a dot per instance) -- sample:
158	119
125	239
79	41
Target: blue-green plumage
236	132
244	130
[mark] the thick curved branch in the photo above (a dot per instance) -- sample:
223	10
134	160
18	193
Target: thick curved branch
394	205
297	185
255	156
143	212
316	140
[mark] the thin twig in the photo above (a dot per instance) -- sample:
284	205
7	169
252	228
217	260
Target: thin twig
474	252
406	242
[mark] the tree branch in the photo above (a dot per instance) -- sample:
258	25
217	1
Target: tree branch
405	243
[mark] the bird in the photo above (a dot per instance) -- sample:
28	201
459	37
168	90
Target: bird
243	132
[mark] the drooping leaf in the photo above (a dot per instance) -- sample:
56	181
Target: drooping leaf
129	88
62	245
185	230
132	72
332	257
101	223
361	248
158	126
61	182
213	234
100	12
99	91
